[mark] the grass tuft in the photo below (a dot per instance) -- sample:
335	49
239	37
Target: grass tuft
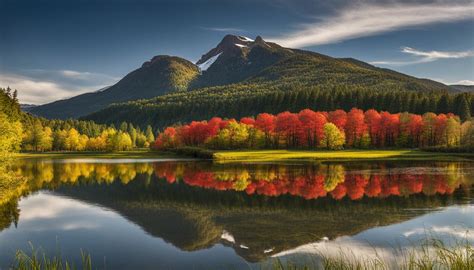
37	259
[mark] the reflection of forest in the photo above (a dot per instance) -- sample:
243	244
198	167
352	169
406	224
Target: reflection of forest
265	208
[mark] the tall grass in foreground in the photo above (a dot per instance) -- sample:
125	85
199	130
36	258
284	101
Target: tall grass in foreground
433	254
39	260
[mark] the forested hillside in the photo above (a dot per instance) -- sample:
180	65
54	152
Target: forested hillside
239	100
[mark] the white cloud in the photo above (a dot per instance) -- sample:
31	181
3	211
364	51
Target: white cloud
437	54
34	90
465	82
75	74
223	29
425	56
366	19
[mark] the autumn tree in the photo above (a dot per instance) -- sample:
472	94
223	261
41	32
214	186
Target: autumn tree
355	127
333	138
10	135
338	118
452	132
288	126
266	123
312	125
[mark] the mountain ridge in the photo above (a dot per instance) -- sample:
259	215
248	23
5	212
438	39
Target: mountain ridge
236	59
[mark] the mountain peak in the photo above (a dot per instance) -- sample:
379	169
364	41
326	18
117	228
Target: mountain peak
230	44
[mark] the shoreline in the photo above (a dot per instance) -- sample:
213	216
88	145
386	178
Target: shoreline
229	156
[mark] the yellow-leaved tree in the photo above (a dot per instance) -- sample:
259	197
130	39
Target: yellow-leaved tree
333	138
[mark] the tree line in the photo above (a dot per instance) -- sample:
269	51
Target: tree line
22	131
40	138
332	130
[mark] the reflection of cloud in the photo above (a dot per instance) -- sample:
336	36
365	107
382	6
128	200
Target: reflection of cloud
452	223
425	56
450	231
367	19
45	206
351	248
39	86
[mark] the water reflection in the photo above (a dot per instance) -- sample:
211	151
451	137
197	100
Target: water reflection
256	210
338	181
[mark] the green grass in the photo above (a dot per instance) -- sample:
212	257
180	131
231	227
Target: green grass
133	154
268	155
37	259
343	155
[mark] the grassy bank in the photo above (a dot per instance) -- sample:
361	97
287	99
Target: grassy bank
133	154
223	156
344	155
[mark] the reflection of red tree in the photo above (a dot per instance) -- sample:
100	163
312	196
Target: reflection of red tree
166	170
355	186
374	187
311	184
339	192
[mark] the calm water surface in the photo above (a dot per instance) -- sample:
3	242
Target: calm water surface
165	214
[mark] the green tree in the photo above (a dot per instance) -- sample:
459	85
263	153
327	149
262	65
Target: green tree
333	138
462	107
149	134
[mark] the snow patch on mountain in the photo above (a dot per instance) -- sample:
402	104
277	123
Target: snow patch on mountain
204	66
245	39
241	45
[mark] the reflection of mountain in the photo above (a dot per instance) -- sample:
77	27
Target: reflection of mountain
190	217
193	219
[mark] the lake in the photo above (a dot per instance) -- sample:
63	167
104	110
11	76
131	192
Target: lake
187	214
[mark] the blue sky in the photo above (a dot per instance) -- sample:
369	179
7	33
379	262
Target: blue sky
53	49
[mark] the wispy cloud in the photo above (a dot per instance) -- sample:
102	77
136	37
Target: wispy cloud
425	56
223	29
465	82
369	19
42	86
434	55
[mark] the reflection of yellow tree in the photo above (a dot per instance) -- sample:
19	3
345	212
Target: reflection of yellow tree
39	173
12	187
126	172
455	175
241	180
334	174
265	173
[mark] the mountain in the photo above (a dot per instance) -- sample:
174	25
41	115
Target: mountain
161	75
237	58
463	88
27	107
237	68
241	77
